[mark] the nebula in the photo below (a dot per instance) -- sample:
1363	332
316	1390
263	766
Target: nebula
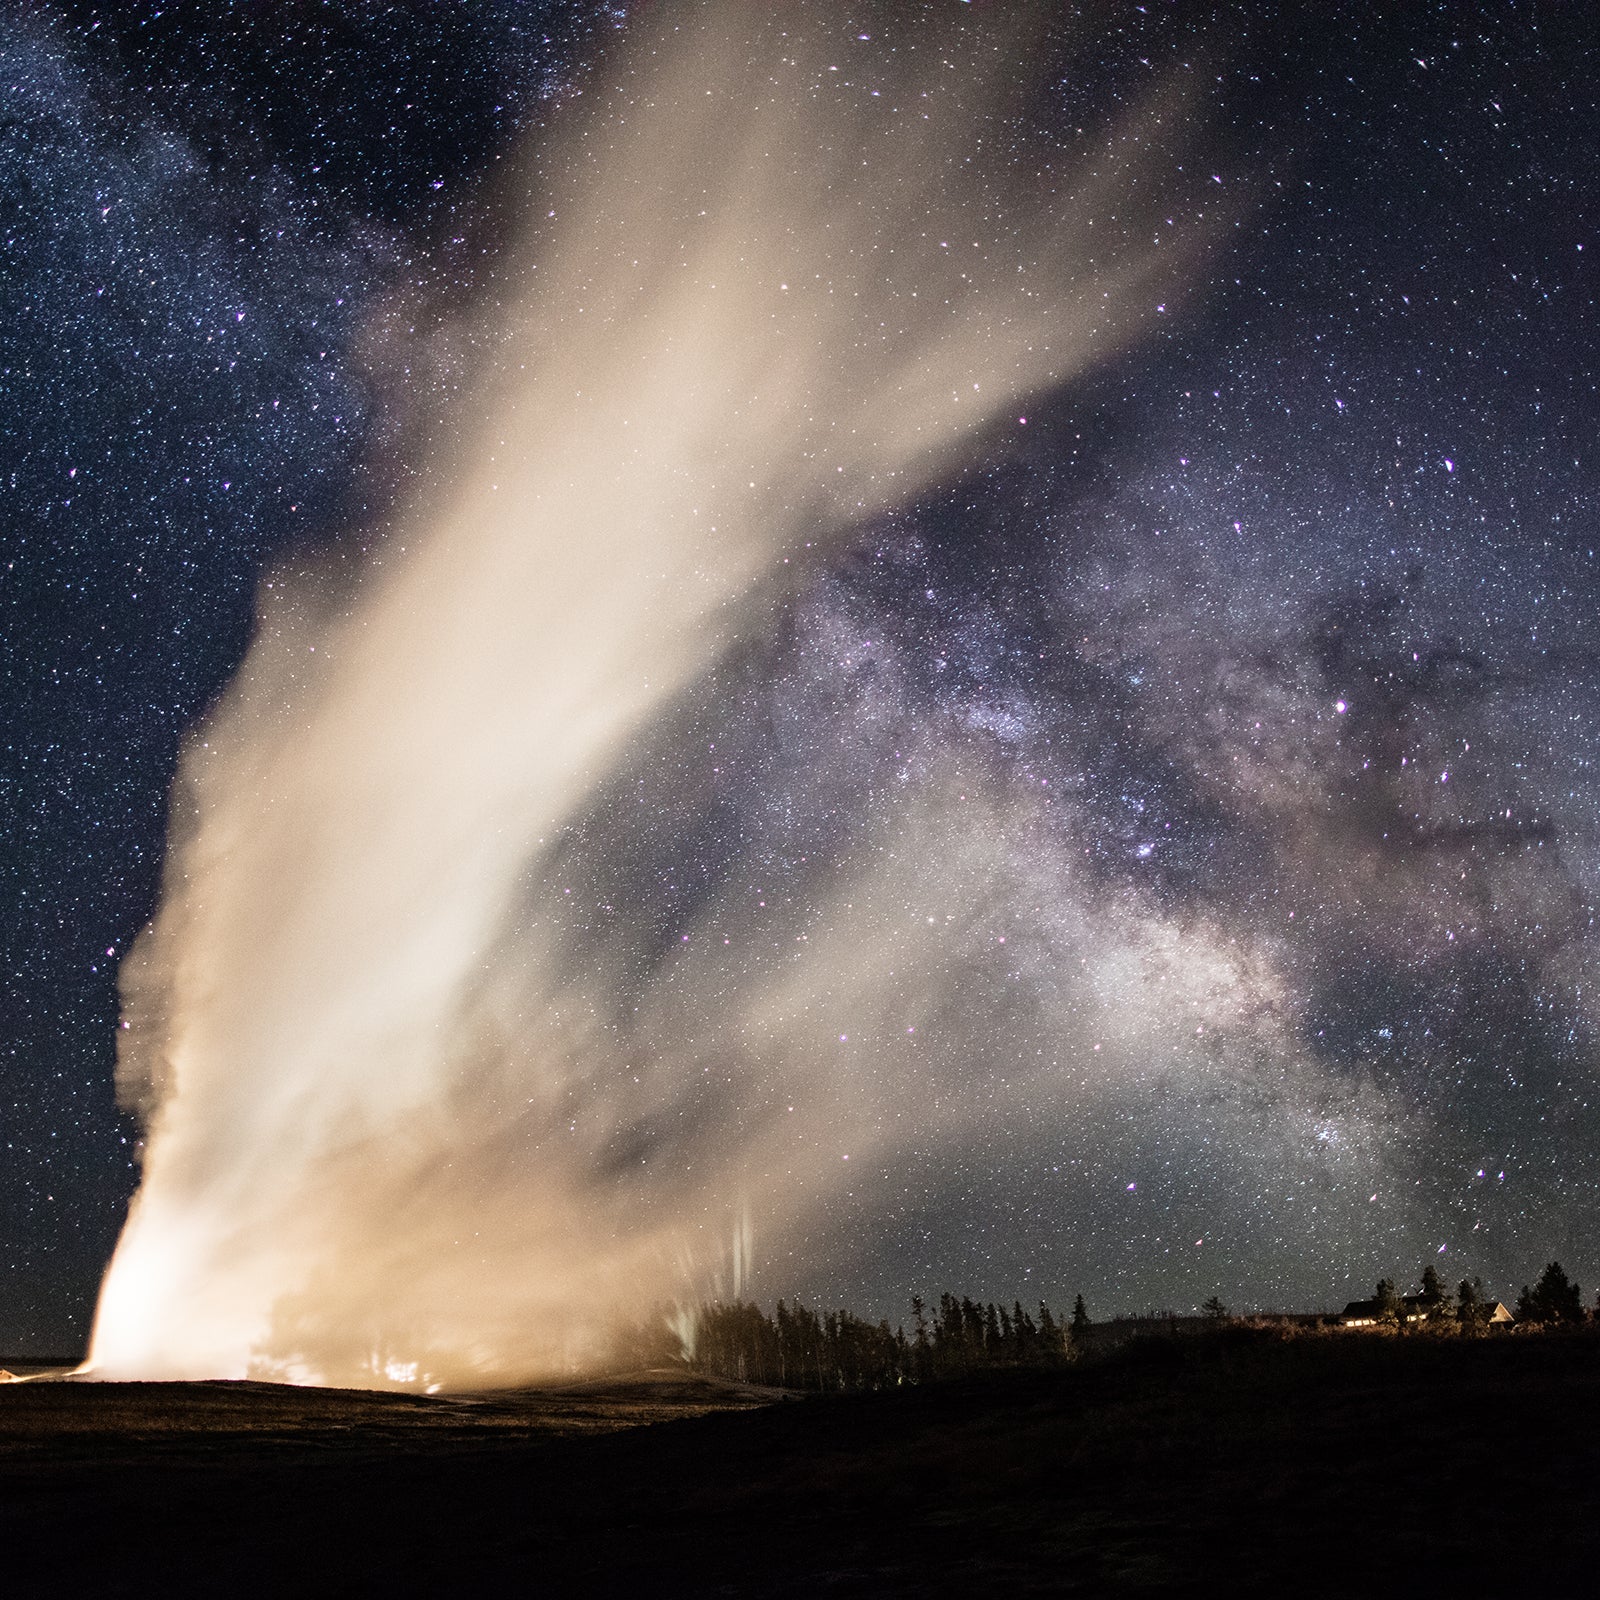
441	1083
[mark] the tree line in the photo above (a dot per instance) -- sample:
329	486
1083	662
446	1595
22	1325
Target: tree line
1553	1299
798	1348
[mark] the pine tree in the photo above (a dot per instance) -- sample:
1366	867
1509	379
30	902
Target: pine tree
1435	1298
920	1367
1027	1335
785	1337
1553	1299
1080	1318
1472	1309
919	1319
1051	1341
1386	1299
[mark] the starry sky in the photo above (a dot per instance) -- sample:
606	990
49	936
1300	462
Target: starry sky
1264	654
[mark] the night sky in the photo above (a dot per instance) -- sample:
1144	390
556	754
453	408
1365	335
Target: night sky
1276	632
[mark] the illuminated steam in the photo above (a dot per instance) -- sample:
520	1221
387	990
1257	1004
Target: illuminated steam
773	280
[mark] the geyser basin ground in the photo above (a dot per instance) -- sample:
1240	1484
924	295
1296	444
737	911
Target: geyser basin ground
1175	1467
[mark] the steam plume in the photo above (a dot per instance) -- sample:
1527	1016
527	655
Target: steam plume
778	279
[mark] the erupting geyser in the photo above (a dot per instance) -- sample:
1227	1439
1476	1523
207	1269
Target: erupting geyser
780	277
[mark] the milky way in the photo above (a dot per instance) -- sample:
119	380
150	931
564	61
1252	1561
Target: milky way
1169	844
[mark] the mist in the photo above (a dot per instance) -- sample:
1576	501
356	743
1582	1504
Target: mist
437	1088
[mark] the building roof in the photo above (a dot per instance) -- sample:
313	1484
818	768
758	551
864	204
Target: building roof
1416	1307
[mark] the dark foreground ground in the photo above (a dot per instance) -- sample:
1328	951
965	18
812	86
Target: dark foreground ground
1337	1465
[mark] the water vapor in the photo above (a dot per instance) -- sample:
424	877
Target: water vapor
410	1117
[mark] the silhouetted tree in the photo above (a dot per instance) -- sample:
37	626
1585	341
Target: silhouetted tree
1026	1335
1214	1308
921	1363
1552	1299
972	1327
1386	1301
837	1350
1436	1303
1080	1317
1052	1341
1472	1306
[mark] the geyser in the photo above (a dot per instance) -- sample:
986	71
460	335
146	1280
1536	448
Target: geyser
782	271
